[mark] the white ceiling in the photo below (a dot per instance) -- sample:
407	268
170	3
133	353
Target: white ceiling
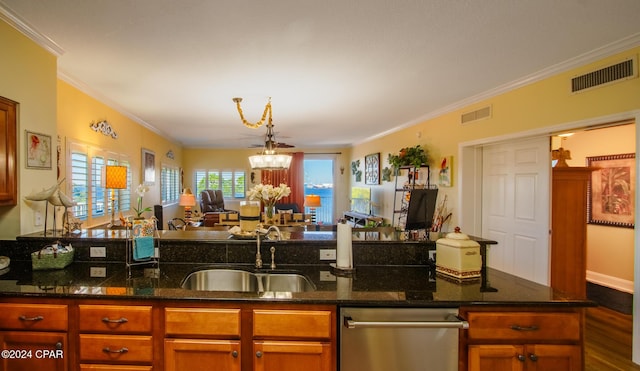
338	71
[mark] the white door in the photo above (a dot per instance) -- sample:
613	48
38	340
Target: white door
515	207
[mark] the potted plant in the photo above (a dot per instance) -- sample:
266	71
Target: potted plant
409	156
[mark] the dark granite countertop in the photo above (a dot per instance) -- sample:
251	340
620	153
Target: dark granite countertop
373	285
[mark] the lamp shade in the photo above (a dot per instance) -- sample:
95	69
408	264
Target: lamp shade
312	201
270	161
115	177
187	198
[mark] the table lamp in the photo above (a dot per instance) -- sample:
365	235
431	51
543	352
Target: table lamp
115	177
188	200
312	201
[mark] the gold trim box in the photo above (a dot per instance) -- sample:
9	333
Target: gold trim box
458	256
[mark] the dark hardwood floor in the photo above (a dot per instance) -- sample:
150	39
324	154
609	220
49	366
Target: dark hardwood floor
608	340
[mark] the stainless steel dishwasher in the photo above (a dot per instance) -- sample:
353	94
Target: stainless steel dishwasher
399	339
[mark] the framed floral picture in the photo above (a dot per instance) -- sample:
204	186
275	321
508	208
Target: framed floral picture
148	167
38	150
372	168
611	190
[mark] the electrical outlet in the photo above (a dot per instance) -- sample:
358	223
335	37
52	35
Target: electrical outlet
97	252
98	272
327	276
327	254
37	219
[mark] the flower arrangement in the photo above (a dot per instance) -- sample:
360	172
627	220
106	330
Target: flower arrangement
409	156
269	194
141	190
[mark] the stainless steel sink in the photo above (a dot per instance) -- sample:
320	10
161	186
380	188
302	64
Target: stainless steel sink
218	279
290	282
221	280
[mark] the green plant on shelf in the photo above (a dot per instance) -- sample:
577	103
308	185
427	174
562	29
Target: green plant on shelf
409	156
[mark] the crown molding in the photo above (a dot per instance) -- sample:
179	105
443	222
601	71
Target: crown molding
605	51
101	98
11	18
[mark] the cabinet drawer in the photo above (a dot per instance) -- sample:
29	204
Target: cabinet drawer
202	321
114	368
292	324
35	317
116	348
524	326
115	318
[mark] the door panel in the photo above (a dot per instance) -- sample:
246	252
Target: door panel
515	201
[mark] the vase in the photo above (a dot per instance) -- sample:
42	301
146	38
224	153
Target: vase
269	214
249	215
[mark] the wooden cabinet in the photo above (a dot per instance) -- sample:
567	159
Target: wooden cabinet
569	230
8	154
522	339
202	339
249	338
35	335
286	340
115	335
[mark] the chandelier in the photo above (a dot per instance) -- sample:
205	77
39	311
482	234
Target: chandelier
268	159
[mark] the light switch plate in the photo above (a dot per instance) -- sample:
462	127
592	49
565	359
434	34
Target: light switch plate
327	254
97	252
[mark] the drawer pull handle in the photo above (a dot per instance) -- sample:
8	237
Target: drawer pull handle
524	328
521	357
119	320
120	351
32	319
234	354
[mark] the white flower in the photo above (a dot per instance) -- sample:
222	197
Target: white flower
141	190
268	193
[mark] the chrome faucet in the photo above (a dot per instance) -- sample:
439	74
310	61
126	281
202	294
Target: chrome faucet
273	249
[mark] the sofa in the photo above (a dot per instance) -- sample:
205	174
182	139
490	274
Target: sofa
212	206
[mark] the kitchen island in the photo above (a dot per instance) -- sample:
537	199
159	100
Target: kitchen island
93	311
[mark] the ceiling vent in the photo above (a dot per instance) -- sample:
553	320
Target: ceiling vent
479	114
624	70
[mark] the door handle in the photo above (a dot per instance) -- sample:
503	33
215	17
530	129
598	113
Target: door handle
452	321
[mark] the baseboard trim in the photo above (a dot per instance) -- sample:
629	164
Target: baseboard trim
611	282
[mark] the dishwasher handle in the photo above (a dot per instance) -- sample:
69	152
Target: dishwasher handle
452	321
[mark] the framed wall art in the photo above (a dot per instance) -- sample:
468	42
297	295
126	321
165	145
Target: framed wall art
372	168
445	175
148	167
611	190
38	150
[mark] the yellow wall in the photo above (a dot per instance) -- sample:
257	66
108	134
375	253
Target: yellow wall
76	111
541	104
546	103
28	76
238	159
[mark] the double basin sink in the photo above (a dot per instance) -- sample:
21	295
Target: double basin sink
230	279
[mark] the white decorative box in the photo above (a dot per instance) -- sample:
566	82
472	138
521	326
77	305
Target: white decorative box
458	256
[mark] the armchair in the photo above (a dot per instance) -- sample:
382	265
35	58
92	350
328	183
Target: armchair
212	205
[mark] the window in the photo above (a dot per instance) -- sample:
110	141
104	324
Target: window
86	164
169	184
232	183
319	180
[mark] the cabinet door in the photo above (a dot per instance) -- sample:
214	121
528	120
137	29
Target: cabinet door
291	356
36	351
201	355
496	358
553	357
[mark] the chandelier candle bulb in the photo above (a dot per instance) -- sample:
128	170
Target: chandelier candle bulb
344	259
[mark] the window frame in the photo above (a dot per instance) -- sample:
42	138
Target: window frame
218	176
